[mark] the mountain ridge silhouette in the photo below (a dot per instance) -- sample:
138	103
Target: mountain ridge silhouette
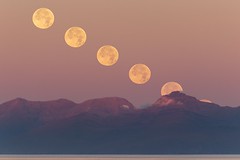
174	124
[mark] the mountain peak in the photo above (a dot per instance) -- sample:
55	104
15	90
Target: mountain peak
166	101
175	98
107	105
61	101
17	101
177	94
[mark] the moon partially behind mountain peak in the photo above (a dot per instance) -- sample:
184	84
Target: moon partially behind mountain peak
170	87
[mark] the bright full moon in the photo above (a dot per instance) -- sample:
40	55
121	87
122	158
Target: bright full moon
75	37
171	87
139	73
107	55
43	18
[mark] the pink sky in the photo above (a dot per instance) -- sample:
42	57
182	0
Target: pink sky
193	42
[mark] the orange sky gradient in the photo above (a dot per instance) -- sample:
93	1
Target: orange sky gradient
193	42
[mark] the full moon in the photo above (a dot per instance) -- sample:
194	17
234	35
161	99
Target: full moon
170	87
139	74
206	101
75	37
43	18
107	55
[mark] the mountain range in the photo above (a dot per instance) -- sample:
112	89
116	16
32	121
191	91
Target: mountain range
174	124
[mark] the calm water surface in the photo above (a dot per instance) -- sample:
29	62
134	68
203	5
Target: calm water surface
41	157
